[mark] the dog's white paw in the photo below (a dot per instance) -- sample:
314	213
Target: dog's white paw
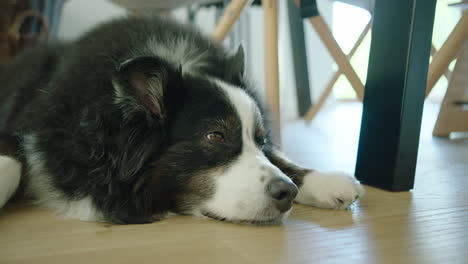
333	190
10	174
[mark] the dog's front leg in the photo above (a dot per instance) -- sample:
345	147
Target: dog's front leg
334	190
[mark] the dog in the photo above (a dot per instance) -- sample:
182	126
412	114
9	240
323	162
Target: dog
143	117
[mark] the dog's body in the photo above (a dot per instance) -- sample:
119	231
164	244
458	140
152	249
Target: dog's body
141	117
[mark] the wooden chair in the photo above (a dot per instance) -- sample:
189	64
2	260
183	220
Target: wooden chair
453	116
331	83
439	66
357	85
447	52
309	11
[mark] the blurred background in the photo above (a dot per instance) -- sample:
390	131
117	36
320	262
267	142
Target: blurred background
345	20
334	129
68	19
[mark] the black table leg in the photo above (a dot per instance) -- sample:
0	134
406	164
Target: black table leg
301	72
394	95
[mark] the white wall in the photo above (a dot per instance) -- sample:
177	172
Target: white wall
80	15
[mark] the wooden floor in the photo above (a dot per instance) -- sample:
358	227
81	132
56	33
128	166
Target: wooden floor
426	225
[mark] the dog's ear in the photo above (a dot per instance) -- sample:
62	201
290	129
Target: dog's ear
236	66
145	82
238	60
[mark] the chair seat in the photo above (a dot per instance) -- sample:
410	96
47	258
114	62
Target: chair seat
159	4
463	5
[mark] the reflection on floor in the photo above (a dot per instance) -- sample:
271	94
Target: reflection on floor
426	225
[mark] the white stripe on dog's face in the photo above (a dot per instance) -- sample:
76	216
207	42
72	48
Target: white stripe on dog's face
248	113
240	191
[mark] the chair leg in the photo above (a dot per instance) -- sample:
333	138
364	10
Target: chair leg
270	23
318	105
337	53
229	17
299	58
452	117
447	72
447	52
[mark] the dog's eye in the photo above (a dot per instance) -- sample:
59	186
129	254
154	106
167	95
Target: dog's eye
261	141
215	136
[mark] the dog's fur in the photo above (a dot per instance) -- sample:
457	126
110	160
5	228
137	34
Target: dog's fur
141	117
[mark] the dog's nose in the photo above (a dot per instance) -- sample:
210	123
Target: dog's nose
282	192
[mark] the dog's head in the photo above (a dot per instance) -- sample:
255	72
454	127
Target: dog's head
211	157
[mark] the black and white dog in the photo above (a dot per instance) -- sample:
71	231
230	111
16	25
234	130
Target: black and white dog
142	117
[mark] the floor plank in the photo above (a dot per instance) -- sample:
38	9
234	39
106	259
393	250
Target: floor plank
426	225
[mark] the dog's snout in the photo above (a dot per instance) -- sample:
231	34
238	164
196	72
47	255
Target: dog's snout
282	192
